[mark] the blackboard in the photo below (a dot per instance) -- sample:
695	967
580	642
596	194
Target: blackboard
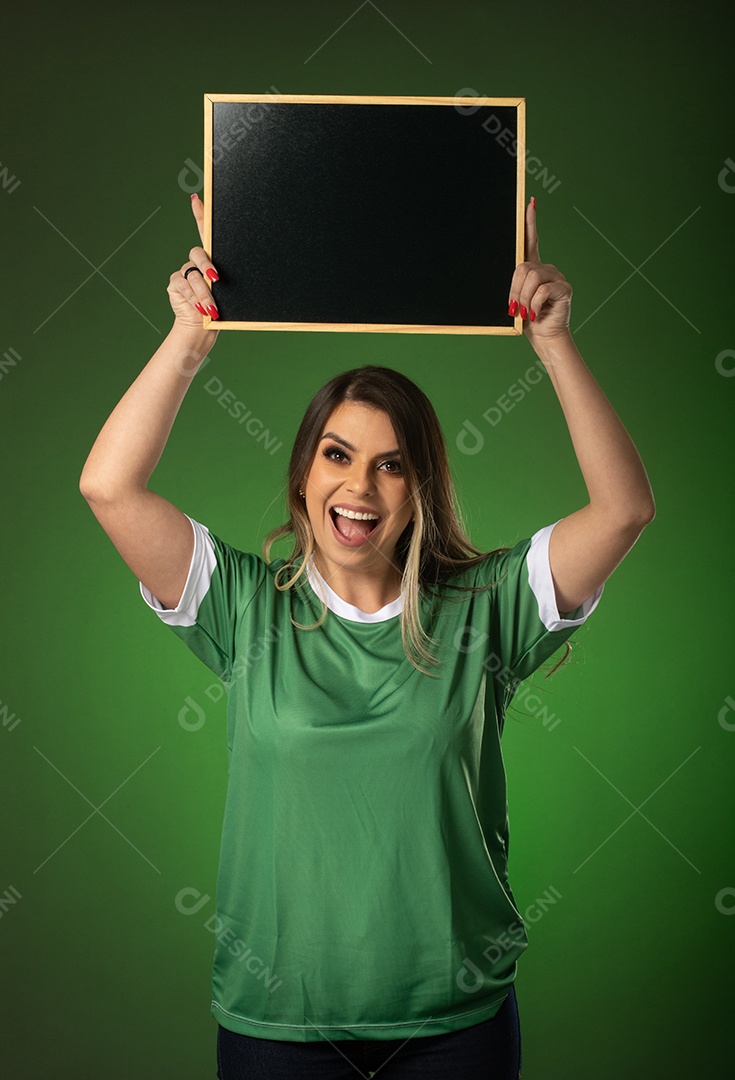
391	214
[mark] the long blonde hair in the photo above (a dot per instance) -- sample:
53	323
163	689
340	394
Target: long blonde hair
434	546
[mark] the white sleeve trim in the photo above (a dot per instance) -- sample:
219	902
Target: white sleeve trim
542	584
203	562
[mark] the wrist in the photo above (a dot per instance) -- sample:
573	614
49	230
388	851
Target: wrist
182	332
554	348
191	346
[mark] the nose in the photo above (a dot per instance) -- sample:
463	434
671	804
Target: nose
359	478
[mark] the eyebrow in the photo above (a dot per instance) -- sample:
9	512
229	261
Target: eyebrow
343	442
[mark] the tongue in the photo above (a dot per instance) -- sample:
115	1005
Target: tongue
351	529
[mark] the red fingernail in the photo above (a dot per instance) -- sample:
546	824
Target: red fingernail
200	307
533	202
524	313
212	311
532	314
212	274
512	308
194	196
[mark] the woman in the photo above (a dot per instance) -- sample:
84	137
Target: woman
364	916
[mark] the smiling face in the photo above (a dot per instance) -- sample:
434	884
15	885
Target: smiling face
357	467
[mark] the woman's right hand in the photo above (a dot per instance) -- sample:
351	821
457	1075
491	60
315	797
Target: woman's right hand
190	297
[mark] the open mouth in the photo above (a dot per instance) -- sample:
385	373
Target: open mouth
353	531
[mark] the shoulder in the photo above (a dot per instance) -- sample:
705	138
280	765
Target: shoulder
246	569
487	568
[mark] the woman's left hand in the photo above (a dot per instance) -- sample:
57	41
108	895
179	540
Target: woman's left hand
539	292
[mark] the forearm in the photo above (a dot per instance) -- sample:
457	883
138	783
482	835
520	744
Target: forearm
132	440
613	472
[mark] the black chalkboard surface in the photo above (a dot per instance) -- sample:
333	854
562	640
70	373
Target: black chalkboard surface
364	213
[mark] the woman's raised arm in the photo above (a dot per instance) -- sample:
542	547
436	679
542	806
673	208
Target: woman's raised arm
153	536
587	545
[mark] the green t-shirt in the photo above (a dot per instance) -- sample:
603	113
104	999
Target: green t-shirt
362	890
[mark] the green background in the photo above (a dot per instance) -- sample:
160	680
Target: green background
630	972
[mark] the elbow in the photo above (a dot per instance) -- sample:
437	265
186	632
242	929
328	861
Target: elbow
642	515
630	518
108	490
89	487
85	487
648	511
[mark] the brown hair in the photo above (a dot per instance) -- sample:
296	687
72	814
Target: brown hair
434	546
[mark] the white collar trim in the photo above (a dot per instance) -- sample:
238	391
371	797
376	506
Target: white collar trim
340	607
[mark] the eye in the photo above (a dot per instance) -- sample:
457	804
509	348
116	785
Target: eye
327	453
391	465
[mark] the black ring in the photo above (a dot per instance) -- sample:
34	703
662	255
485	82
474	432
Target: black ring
190	270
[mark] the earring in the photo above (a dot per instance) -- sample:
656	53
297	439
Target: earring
302	493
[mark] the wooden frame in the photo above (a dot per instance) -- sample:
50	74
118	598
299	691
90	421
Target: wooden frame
255	154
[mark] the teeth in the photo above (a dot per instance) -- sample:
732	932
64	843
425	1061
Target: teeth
353	514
